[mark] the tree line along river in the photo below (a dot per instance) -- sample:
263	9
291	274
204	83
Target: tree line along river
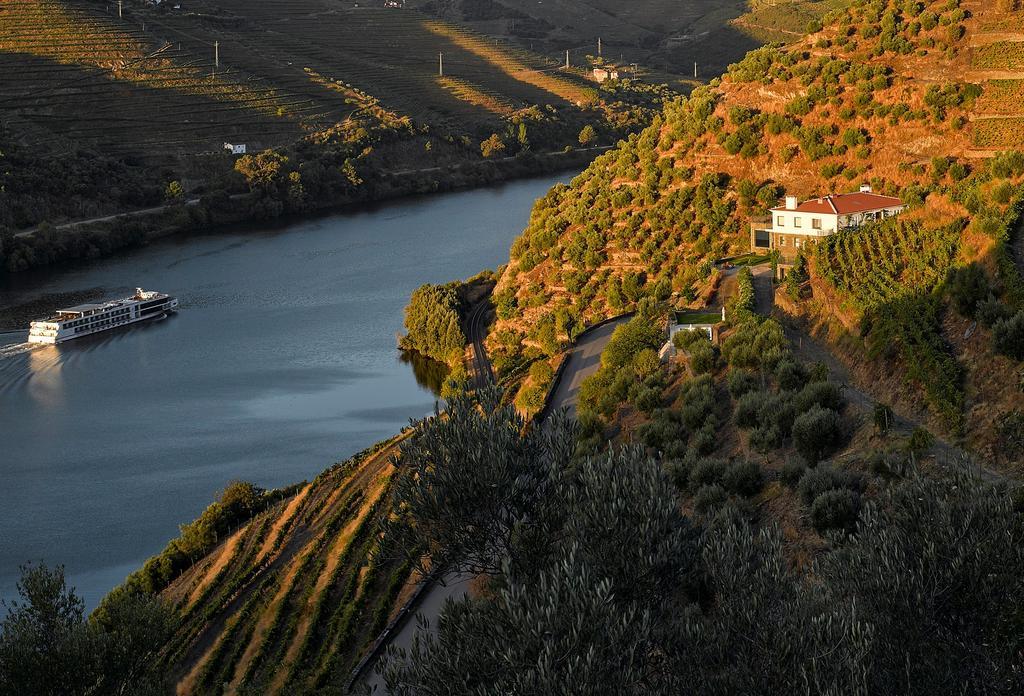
280	361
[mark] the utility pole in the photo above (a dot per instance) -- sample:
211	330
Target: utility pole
694	69
599	47
119	9
440	64
216	54
567	59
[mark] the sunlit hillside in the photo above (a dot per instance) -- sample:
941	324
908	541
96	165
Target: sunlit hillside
883	96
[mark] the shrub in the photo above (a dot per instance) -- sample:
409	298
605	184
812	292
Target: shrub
790	375
967	287
709	498
646	363
741	382
702	357
744	478
705	472
990	311
541	373
835	510
920	441
816	433
824	394
705	439
791	472
648	399
748	408
824	478
1008	336
699	402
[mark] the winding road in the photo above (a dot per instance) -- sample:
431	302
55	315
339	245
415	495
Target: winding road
583	360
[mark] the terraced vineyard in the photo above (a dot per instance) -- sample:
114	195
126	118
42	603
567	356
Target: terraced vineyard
392	54
73	73
997	61
292	599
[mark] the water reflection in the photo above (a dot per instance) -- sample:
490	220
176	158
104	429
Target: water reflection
429	374
46	386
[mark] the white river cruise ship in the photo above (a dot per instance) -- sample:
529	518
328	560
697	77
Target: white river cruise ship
86	319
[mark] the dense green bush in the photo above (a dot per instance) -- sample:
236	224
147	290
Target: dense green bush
816	433
433	323
1008	336
835	510
825	394
744	478
606	587
822	478
967	285
741	382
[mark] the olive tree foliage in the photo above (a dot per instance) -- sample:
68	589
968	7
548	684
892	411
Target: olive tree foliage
937	568
48	647
472	486
598	584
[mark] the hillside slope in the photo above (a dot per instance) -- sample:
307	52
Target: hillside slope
886	94
291	600
101	113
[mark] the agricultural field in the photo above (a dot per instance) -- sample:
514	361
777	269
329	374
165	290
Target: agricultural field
999	55
291	600
774	21
662	35
75	74
1003	97
999	133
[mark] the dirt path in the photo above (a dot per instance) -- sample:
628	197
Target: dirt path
811	350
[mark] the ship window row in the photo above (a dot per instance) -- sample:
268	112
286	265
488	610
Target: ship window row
93	320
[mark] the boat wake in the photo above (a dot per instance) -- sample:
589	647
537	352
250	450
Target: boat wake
17	349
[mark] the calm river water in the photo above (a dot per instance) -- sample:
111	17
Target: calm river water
280	362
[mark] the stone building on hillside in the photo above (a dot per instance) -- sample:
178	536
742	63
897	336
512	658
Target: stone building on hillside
791	227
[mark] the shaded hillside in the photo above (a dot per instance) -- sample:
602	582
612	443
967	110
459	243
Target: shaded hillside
667	35
103	113
881	96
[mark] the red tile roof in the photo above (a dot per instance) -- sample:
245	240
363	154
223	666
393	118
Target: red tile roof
845	204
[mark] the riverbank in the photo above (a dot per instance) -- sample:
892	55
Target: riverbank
225	211
280	361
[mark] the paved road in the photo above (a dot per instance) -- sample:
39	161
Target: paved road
429	606
583	361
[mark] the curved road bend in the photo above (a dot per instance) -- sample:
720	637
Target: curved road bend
583	361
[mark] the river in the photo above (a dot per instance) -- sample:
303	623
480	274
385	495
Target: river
280	362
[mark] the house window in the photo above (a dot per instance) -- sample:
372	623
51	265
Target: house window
816	223
797	222
782	241
796	242
780	221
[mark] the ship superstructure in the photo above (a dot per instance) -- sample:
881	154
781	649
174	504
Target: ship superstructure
85	319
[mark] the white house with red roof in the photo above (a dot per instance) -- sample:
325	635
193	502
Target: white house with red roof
794	225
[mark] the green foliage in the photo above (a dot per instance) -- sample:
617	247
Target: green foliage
48	648
756	345
493	146
1008	336
606	588
890	271
967	285
433	323
823	478
628	340
835	510
816	433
